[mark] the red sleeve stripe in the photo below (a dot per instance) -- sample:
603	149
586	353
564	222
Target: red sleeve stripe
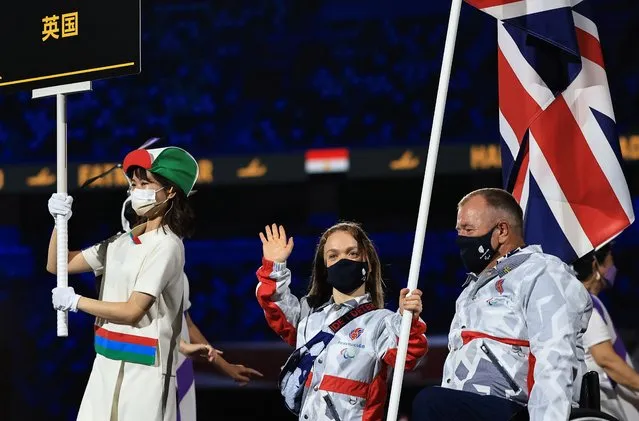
417	346
275	317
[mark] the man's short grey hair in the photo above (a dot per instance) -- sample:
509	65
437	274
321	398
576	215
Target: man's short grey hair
502	202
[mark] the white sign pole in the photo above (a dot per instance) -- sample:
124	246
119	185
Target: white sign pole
60	93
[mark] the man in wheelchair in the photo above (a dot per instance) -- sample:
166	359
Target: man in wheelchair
515	342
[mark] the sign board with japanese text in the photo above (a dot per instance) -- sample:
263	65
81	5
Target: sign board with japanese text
56	42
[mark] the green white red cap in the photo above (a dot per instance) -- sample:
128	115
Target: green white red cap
173	163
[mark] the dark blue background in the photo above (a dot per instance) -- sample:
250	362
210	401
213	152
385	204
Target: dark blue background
224	78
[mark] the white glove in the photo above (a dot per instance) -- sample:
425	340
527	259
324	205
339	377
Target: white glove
60	204
65	299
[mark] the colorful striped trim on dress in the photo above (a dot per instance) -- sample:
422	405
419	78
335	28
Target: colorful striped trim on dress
135	238
125	347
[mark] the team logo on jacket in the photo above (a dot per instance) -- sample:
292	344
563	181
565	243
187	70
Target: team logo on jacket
499	285
355	333
348	353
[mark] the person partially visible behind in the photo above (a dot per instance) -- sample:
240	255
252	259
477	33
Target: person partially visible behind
605	351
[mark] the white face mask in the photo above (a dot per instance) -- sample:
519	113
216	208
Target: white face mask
143	200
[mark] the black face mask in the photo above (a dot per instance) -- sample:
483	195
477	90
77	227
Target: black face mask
347	275
476	252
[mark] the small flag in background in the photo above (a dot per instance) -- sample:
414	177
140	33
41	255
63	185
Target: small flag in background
326	160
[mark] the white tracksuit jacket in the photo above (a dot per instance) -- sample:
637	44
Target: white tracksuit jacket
352	370
518	332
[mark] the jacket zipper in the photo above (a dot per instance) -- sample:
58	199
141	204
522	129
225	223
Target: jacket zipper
500	367
331	407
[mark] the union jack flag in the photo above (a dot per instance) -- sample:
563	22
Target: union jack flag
560	149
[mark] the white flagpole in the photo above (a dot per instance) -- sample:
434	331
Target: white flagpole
424	205
60	93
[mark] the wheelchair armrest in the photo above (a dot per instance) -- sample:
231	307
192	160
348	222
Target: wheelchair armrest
590	414
590	395
589	402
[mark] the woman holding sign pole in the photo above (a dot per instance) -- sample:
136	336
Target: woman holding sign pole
139	313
